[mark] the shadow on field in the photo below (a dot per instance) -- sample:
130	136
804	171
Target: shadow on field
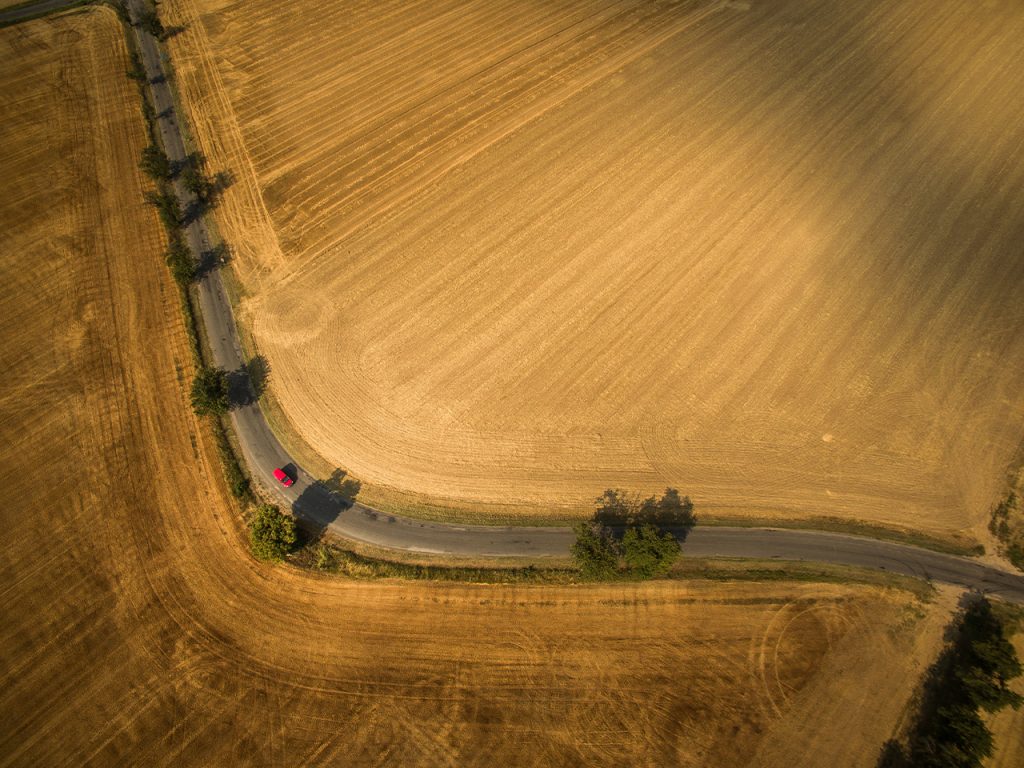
173	31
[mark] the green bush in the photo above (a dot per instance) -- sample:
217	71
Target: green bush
648	552
210	392
155	163
179	260
136	70
150	22
238	482
595	550
971	676
166	204
272	534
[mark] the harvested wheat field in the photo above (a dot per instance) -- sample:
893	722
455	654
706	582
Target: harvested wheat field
138	631
508	254
1008	725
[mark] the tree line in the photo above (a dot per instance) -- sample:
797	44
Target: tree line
632	537
272	534
970	678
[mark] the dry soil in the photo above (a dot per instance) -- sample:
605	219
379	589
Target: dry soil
508	254
137	631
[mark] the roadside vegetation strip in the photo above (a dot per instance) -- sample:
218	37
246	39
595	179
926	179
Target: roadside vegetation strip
1007	525
183	265
325	555
970	677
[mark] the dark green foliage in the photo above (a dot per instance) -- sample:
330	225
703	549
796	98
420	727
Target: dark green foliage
148	113
210	392
198	184
649	552
646	549
150	22
1007	525
615	507
136	70
1015	552
970	676
155	163
180	261
999	524
595	551
272	534
985	660
238	483
166	204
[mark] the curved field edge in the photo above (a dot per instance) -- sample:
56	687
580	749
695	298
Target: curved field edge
138	630
956	492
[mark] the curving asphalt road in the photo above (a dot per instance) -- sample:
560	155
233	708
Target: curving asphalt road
312	502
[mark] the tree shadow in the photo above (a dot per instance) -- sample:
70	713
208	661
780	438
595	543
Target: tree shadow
173	31
247	383
240	392
619	510
322	502
258	369
341	487
222	180
968	678
213	258
195	160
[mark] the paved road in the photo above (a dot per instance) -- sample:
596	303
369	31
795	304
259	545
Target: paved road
312	502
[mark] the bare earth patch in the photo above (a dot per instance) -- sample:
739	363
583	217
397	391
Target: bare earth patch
512	254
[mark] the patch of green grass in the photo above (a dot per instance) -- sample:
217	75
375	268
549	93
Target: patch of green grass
331	557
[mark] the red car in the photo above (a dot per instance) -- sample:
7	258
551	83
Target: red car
282	477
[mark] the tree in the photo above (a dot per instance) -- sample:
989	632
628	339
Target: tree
648	552
150	22
166	204
272	533
615	507
155	163
179	260
595	550
198	184
210	392
136	71
970	676
986	661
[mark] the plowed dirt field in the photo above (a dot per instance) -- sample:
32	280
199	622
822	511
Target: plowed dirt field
508	254
137	631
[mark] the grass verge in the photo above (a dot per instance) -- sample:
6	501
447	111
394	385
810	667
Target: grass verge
356	561
234	474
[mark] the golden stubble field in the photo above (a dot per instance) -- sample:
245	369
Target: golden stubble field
502	255
137	631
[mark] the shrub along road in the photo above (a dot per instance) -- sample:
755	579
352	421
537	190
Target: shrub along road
312	502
